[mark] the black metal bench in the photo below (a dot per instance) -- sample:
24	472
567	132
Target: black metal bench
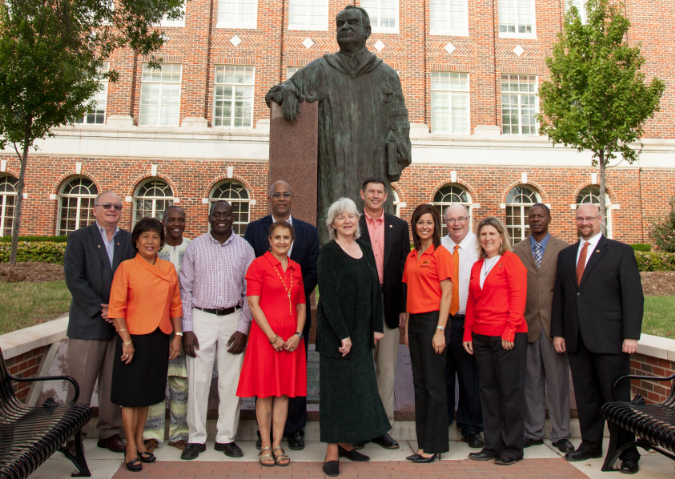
30	435
652	424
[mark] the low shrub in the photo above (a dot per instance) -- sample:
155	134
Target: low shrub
44	239
34	252
645	248
655	261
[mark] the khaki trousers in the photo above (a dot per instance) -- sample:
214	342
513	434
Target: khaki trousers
89	360
386	357
213	332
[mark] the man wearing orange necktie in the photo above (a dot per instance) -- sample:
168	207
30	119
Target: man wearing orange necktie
461	242
596	318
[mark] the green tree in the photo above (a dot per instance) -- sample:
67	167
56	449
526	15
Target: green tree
51	52
597	98
663	230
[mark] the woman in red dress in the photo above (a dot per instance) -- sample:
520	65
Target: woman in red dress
275	366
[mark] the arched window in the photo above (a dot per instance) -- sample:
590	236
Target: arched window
76	202
450	195
152	197
397	202
591	194
518	203
8	187
235	194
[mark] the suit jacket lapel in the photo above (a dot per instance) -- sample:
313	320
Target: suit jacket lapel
298	244
595	257
365	236
528	253
120	243
551	249
388	239
97	240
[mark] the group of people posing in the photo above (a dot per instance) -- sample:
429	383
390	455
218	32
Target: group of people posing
504	323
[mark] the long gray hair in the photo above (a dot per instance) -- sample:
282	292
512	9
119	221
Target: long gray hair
343	205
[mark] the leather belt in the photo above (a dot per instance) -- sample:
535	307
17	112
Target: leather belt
457	317
219	311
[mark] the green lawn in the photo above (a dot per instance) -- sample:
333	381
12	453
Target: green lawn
659	318
27	304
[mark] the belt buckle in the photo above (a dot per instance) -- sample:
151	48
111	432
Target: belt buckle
220	312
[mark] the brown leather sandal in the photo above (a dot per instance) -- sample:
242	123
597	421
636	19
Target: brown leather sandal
280	457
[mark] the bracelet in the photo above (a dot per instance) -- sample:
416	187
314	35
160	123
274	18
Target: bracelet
121	330
128	343
300	335
179	333
276	336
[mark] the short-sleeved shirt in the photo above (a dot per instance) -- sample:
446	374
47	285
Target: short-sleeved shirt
423	277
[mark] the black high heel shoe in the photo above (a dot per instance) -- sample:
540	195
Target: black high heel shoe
134	465
146	457
331	468
420	459
412	457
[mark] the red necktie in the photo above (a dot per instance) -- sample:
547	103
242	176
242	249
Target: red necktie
581	264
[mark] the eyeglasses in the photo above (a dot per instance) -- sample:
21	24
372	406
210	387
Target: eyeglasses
588	219
107	206
286	195
461	219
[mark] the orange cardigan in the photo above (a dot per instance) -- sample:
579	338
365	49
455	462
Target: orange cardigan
499	308
146	296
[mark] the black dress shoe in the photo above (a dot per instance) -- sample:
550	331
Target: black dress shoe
296	442
629	466
230	449
352	455
386	441
420	459
192	451
532	442
564	445
113	443
505	461
331	468
258	443
412	457
474	440
481	456
359	445
581	455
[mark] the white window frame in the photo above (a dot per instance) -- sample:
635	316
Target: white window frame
154	211
152	81
374	19
234	85
78	207
452	94
520	95
581	6
179	22
397	203
104	91
532	35
3	204
593	192
307	5
236	225
524	224
441	206
232	20
463	32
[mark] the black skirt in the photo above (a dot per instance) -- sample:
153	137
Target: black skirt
142	382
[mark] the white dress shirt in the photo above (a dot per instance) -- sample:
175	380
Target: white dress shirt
290	222
467	257
593	243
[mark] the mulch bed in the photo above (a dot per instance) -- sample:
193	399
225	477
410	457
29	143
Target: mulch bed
658	283
31	272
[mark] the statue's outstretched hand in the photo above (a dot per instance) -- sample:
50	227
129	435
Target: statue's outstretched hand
290	105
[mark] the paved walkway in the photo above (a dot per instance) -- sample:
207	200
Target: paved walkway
540	462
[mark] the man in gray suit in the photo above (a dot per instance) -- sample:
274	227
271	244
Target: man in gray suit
546	370
92	257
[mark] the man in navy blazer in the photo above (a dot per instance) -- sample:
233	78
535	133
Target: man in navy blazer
304	251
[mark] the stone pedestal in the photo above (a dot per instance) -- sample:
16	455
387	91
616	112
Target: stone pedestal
293	156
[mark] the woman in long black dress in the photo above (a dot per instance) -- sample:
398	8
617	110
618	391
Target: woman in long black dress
349	322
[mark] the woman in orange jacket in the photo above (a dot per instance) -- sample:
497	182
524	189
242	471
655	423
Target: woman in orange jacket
145	308
496	332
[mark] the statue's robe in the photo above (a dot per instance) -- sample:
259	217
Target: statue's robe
361	110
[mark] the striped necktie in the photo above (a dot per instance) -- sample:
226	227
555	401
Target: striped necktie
537	254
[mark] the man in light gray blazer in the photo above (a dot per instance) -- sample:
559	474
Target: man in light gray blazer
546	369
92	256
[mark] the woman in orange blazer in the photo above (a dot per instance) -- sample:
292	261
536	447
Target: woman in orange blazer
496	332
145	308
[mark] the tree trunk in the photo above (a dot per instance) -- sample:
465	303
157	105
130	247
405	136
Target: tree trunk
16	224
603	189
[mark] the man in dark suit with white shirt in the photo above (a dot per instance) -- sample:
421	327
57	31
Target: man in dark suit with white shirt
305	252
597	317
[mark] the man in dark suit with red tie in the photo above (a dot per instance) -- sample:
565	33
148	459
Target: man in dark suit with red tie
597	317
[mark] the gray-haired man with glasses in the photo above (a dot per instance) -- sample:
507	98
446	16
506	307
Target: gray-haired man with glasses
92	257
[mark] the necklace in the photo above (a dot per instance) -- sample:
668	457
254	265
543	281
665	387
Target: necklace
487	268
288	290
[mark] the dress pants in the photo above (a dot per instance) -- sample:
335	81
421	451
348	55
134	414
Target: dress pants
547	375
594	376
88	360
156	422
502	393
386	357
213	332
462	365
428	368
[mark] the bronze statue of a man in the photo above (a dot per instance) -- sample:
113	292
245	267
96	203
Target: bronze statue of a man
363	121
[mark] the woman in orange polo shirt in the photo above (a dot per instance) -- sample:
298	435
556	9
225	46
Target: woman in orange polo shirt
496	332
428	274
145	308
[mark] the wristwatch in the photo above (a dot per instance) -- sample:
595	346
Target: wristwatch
442	328
300	335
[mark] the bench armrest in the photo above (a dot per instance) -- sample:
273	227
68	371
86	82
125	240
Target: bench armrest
50	378
650	378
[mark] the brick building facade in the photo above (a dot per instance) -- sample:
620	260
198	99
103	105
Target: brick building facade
470	69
